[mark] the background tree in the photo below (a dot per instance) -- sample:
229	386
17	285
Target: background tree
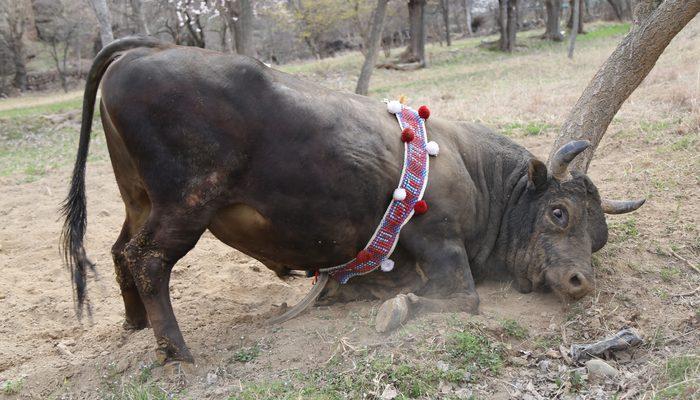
622	9
240	23
582	12
445	8
467	4
618	77
553	24
375	36
415	52
104	17
139	17
576	18
62	33
13	23
508	23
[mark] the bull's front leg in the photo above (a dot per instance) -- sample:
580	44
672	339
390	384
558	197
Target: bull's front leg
446	266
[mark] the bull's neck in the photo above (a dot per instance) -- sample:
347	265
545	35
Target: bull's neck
497	167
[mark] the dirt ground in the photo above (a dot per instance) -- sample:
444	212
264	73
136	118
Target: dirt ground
646	275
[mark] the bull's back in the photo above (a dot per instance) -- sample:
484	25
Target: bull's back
293	171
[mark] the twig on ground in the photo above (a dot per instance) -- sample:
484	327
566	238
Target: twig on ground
692	292
673	253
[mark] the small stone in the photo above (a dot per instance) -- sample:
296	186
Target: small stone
600	369
543	366
443	366
551	353
464	393
389	392
63	349
392	313
212	378
122	365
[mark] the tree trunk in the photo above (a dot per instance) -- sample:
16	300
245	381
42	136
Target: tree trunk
508	21
20	79
468	16
622	9
502	24
512	23
416	18
139	19
576	13
243	29
445	6
553	29
570	24
375	37
619	77
105	20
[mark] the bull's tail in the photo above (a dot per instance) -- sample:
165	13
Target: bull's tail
74	207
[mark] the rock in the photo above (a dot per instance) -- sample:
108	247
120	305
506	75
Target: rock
389	393
212	378
63	349
600	369
392	313
122	365
543	366
443	366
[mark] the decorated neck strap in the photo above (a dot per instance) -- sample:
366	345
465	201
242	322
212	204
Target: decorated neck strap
407	197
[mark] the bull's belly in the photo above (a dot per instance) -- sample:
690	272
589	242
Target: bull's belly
281	243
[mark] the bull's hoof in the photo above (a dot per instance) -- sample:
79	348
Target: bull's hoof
393	313
168	353
130	326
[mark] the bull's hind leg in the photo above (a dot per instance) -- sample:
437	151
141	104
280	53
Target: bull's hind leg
151	254
134	310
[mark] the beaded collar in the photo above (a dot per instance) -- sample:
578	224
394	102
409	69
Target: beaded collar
406	200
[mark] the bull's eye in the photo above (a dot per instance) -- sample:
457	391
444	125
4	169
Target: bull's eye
560	216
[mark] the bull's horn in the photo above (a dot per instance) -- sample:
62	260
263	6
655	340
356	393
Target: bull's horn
620	206
563	156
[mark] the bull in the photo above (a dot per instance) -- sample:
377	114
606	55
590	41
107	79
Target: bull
297	176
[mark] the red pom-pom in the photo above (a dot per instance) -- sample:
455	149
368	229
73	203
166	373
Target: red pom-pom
421	207
424	112
363	256
407	135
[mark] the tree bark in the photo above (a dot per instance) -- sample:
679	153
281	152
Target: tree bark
139	19
104	17
243	29
553	29
621	74
416	18
508	21
375	37
575	14
468	16
445	6
581	6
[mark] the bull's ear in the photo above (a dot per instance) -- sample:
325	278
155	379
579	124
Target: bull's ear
536	175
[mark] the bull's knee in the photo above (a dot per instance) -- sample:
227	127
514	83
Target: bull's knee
135	314
147	266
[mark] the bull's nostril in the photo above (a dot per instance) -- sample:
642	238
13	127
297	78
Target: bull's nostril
575	281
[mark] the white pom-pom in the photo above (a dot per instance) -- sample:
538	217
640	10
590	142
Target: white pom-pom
387	265
399	194
394	107
433	148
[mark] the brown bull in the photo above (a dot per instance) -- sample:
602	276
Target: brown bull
298	176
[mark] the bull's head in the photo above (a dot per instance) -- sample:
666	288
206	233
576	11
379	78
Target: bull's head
556	224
